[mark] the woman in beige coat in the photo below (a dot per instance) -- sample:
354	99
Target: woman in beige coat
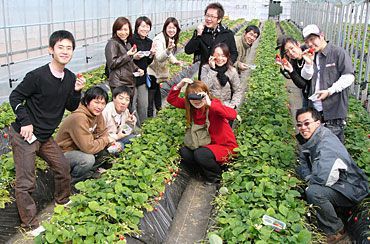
166	44
222	78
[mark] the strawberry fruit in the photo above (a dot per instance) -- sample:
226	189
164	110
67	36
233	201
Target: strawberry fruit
311	50
79	75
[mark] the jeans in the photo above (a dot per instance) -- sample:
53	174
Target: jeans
326	199
154	97
125	140
337	127
82	165
202	161
24	156
140	103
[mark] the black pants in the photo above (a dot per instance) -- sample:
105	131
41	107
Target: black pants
202	161
154	97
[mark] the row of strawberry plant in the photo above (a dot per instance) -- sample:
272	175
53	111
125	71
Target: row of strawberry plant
111	207
261	180
291	30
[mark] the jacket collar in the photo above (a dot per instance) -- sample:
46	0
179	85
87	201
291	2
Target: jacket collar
245	44
315	138
83	109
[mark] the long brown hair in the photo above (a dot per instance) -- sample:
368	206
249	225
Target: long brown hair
174	21
117	25
195	87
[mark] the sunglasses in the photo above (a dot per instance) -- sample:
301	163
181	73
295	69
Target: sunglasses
307	123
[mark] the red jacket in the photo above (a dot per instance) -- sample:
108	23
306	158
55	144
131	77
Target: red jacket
223	139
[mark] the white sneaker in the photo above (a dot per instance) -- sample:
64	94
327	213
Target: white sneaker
36	232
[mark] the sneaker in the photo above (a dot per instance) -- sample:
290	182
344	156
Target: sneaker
336	238
36	232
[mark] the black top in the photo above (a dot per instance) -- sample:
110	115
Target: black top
202	45
41	98
143	63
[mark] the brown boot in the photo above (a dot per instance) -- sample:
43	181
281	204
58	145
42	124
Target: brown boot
336	238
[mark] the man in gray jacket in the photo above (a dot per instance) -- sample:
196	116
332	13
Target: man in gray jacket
333	178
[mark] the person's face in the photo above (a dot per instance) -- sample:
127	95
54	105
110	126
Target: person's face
121	102
143	29
62	51
96	106
316	42
211	18
220	58
250	37
197	103
306	125
171	30
292	50
124	32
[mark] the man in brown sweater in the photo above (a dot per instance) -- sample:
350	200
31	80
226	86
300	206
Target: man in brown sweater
83	134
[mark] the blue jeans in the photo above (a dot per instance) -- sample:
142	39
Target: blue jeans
326	199
125	140
82	165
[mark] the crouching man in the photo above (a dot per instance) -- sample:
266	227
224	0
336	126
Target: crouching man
333	178
83	135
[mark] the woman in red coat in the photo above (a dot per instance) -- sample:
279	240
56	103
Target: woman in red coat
206	159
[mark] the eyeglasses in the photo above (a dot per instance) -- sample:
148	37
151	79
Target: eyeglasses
210	16
306	124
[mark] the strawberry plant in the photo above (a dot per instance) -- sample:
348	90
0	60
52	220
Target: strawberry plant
112	206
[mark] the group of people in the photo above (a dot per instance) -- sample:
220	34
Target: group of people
324	72
136	65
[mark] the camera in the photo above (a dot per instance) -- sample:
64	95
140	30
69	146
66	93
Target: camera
194	96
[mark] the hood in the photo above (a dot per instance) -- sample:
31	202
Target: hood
83	109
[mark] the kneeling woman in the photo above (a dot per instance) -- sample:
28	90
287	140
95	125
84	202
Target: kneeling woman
206	159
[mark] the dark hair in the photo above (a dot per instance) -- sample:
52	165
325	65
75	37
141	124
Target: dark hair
61	35
174	21
117	25
140	20
121	89
94	92
218	6
253	28
225	49
286	40
315	114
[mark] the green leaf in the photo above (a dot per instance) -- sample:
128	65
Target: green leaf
81	230
304	236
283	210
214	238
94	206
51	237
59	209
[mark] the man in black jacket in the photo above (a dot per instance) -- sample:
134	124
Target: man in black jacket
39	102
207	35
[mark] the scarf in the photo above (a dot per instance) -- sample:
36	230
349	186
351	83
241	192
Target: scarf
221	76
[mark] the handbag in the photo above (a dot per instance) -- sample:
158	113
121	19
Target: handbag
197	135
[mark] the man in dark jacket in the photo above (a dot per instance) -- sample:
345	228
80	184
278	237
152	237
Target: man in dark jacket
333	178
207	35
39	102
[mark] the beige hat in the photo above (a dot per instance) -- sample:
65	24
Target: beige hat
310	30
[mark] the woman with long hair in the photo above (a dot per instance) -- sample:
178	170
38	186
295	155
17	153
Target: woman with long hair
202	109
166	45
119	55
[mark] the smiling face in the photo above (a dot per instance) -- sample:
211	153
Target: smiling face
211	18
124	32
220	57
292	50
250	37
96	106
143	29
307	125
316	42
121	102
171	30
62	51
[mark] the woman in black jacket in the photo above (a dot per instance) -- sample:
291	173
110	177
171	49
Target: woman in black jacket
142	59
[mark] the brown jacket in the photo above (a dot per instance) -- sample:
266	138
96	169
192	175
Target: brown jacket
121	66
82	131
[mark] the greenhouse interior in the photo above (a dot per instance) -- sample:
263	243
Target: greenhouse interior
185	121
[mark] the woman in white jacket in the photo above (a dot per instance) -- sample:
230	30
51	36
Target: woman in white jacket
165	44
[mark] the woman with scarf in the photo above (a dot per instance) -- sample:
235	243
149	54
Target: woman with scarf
222	78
